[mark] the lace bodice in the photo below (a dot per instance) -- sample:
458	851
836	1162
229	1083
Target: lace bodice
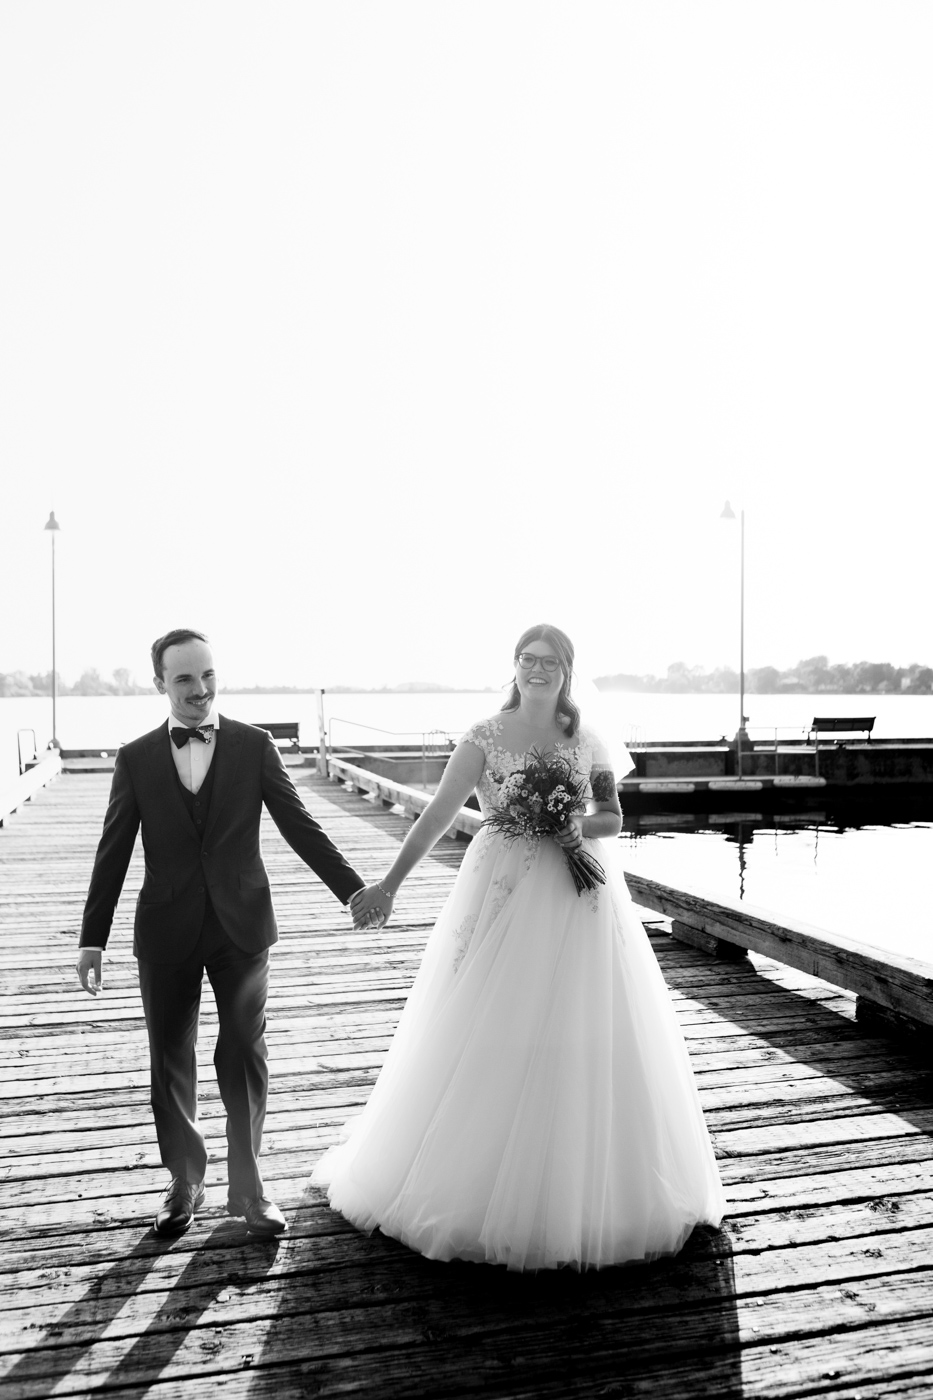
500	762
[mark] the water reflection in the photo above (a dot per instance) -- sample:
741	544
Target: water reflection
839	871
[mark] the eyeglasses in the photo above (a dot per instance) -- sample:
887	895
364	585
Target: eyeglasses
527	659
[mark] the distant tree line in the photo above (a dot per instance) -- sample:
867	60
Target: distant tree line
808	677
18	683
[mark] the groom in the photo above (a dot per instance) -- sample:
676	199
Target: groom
196	786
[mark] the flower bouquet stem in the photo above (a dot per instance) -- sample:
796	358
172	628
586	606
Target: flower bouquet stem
586	870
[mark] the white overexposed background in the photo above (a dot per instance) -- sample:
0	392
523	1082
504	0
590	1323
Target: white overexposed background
361	335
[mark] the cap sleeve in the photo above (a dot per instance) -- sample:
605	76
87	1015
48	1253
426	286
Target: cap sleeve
482	734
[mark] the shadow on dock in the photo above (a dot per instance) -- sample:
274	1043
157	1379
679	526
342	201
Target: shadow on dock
811	1025
400	1325
93	1319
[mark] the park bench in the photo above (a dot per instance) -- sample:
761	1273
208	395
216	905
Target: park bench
835	724
285	729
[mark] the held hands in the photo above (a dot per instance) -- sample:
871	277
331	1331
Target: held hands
88	969
570	836
371	907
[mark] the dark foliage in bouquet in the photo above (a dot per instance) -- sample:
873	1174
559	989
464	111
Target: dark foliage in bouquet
537	801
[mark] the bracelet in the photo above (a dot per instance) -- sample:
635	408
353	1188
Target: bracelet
382	889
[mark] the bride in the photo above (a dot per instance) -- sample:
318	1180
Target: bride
537	1107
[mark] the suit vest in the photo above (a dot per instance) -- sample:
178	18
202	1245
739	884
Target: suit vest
199	803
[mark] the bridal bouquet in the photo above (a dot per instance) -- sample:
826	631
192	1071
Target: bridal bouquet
536	801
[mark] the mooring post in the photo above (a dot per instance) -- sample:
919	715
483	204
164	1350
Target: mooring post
322	735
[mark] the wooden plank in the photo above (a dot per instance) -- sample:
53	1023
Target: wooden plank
14	792
304	1097
293	1299
768	1250
103	1200
334	1340
411	800
894	981
876	1188
40	1194
818	1282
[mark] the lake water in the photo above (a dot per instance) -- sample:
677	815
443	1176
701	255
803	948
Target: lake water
89	721
871	882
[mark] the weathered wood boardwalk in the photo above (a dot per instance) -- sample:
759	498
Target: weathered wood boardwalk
819	1283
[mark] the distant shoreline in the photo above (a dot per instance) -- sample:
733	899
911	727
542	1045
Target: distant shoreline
425	689
660	689
67	693
815	675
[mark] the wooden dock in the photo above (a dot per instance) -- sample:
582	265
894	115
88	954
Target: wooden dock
820	1281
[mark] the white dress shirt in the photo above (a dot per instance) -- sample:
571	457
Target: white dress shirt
193	759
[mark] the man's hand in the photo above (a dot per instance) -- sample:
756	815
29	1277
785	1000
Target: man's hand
371	907
89	969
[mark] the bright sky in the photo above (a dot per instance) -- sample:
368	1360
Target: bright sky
361	335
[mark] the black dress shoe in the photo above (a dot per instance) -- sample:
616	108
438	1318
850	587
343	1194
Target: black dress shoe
262	1216
182	1201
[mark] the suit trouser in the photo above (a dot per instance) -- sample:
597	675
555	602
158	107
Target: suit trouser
171	995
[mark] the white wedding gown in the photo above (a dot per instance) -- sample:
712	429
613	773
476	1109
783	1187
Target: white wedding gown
537	1106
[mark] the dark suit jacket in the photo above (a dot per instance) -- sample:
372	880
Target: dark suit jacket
247	772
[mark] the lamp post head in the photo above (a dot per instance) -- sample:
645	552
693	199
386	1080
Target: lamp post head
52	523
727	513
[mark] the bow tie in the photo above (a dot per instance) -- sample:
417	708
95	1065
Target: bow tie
181	735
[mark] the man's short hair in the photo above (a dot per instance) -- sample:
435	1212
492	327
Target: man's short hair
171	639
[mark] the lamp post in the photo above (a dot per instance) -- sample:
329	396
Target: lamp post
729	514
53	525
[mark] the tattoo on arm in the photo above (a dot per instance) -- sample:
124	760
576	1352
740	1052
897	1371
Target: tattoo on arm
604	785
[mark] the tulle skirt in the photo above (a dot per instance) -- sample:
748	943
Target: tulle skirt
537	1107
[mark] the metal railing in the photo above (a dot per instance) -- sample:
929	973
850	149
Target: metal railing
27	754
434	742
777	730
